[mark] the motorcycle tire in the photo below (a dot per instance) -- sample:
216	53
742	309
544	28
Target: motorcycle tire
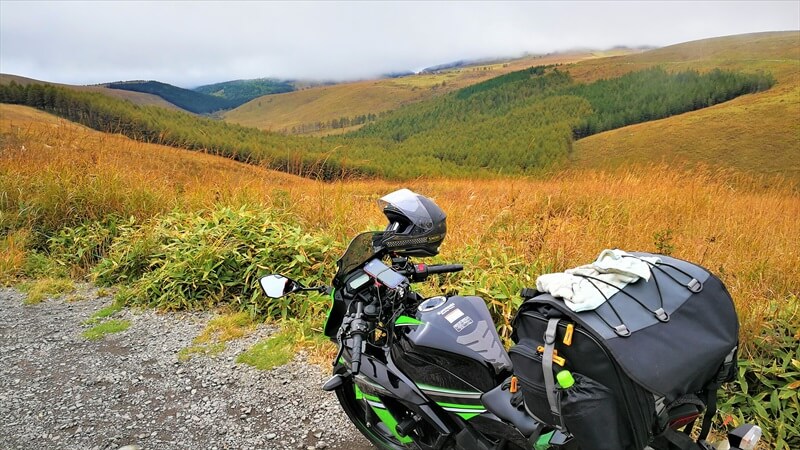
357	411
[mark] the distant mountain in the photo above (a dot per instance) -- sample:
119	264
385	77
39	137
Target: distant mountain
189	100
398	74
463	63
239	92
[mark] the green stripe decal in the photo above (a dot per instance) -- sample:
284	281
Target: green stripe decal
467	416
445	390
372	398
405	320
479	408
383	414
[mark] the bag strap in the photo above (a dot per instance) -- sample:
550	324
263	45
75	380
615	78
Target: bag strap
711	391
678	440
711	409
547	369
693	284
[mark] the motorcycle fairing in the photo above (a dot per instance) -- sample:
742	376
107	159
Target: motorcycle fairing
378	379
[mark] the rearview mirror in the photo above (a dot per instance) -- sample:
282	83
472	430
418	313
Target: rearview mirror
276	286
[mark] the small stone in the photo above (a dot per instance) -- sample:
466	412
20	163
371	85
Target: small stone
271	436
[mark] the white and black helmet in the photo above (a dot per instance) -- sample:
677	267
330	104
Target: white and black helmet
417	226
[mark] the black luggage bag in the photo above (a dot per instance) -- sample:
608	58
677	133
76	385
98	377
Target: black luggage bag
651	348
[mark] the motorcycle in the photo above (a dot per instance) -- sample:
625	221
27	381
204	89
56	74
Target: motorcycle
427	373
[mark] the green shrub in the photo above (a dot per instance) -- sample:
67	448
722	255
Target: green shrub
77	249
766	389
191	261
39	265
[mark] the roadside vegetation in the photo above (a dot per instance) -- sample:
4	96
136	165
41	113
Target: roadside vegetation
219	330
41	289
184	230
100	330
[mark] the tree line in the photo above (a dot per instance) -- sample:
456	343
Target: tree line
333	124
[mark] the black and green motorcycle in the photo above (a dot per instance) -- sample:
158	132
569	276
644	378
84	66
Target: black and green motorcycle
414	372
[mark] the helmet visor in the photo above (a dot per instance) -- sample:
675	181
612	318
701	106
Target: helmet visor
408	203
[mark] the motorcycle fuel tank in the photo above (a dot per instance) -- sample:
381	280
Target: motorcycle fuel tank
451	346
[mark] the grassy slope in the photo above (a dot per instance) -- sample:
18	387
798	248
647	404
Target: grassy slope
323	103
500	226
755	133
505	231
139	98
148	176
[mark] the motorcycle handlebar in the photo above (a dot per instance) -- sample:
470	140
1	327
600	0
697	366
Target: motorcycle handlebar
356	356
445	268
419	272
358	338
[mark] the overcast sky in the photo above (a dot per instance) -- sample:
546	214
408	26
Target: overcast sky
193	43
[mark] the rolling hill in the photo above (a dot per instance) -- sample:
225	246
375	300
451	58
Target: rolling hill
242	91
138	98
311	111
757	133
192	101
201	100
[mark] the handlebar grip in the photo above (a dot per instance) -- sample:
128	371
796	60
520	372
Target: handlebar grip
445	268
356	355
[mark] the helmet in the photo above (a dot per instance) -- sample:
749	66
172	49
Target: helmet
416	227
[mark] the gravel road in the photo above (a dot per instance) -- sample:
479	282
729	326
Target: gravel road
60	391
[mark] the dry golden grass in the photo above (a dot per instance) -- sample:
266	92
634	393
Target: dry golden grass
324	103
776	52
121	174
757	133
748	235
746	232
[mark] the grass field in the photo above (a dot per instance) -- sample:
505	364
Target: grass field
55	174
67	173
322	103
758	133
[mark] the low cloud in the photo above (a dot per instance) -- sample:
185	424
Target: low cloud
193	43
